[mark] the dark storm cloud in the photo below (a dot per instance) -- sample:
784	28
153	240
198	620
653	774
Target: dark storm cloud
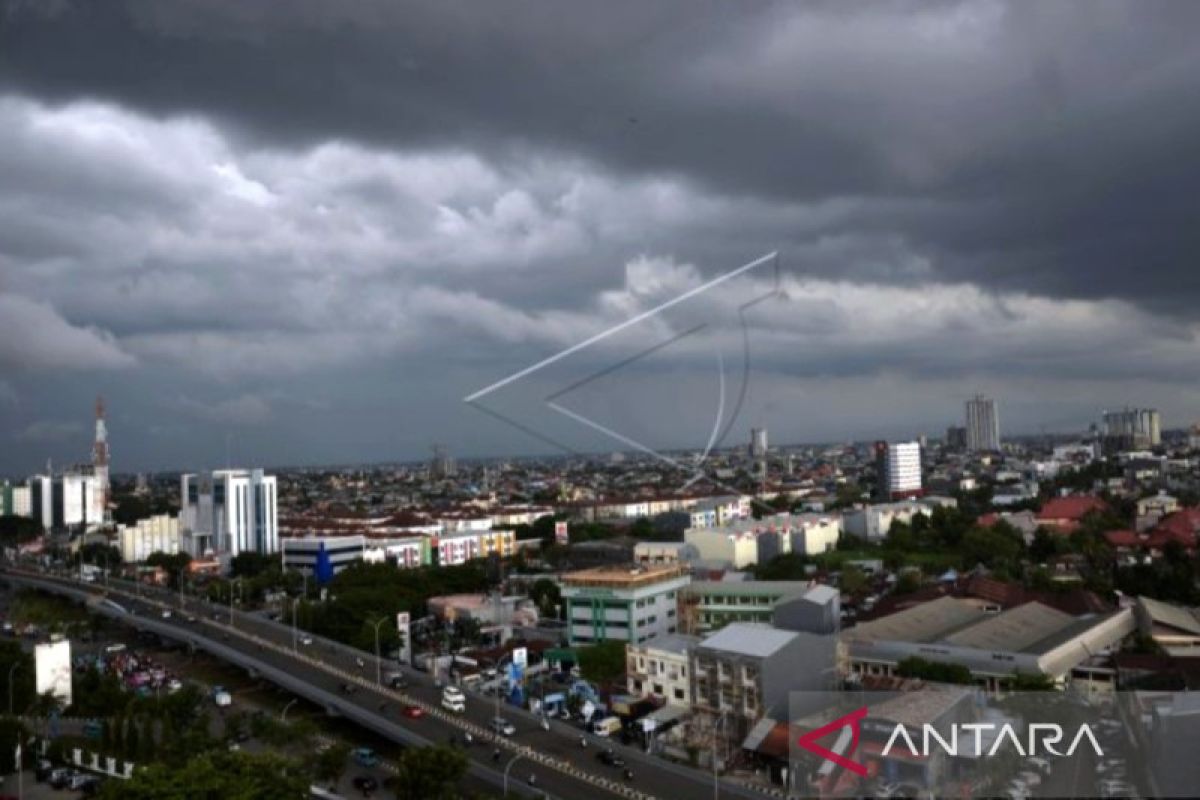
233	216
1061	133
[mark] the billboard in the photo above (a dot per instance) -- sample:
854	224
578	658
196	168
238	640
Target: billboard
52	665
561	535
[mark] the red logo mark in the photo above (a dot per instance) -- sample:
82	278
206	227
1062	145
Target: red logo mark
809	741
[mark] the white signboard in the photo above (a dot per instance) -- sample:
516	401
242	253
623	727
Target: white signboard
561	534
52	664
520	656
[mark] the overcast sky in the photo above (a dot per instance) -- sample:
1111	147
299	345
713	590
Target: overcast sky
304	236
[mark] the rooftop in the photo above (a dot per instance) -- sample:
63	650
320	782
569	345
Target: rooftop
623	576
749	588
749	639
927	622
679	643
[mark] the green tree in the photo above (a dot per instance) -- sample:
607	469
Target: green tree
603	662
429	773
853	580
230	776
545	593
915	667
16	530
100	554
908	582
330	763
11	732
998	546
250	564
784	567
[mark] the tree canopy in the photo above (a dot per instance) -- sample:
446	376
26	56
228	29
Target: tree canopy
230	776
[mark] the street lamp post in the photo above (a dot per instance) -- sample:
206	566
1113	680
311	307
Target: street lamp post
295	605
10	686
237	581
378	666
716	777
507	767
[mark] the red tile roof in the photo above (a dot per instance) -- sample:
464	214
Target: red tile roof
1123	538
1064	513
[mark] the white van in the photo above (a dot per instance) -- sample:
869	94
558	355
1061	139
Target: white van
454	700
607	726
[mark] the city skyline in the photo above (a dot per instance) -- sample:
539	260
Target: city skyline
306	239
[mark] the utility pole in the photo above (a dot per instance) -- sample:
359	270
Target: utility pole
378	663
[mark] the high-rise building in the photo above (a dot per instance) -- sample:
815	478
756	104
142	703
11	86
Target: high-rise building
898	469
442	465
758	451
983	425
100	460
15	501
1132	429
758	442
227	512
956	438
82	498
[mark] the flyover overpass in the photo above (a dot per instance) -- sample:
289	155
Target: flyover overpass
317	672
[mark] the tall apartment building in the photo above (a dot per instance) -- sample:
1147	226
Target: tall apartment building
1132	429
898	470
228	511
624	603
15	501
983	425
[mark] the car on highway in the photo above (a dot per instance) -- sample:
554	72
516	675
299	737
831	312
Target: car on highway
166	614
365	784
413	712
365	757
454	700
397	680
502	726
610	759
305	640
349	688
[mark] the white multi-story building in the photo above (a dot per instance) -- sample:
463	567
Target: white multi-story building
735	546
406	552
898	465
82	498
228	512
157	534
983	425
659	668
302	553
873	522
458	548
624	603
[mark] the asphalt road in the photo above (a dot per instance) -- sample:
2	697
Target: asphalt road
560	766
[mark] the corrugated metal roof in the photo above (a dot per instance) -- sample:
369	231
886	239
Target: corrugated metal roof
1014	629
927	622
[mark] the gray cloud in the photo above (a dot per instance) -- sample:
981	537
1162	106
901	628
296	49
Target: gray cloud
382	206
